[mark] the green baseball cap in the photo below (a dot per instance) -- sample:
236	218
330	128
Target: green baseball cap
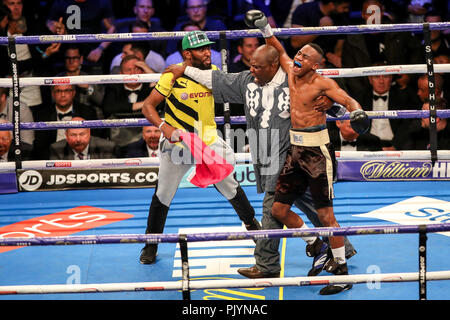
195	39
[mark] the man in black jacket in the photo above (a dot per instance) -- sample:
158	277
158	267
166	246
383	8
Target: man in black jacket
344	138
64	109
147	146
126	100
394	48
32	60
419	138
6	152
128	97
381	95
80	145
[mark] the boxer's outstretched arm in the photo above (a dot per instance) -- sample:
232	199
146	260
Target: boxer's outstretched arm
335	93
255	18
358	118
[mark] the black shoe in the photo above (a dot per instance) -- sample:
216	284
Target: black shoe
321	253
351	254
254	225
255	273
148	254
334	288
333	266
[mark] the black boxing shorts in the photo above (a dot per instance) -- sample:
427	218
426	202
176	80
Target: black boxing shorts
309	162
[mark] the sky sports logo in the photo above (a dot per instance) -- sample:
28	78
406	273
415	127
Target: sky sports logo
59	164
57	81
34	180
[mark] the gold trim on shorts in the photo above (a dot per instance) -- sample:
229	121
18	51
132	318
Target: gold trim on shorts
309	139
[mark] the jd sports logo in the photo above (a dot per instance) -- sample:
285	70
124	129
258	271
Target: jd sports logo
30	180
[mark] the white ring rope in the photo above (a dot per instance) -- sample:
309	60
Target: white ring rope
240	158
221	284
154	77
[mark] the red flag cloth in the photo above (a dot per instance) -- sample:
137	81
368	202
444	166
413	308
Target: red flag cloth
210	168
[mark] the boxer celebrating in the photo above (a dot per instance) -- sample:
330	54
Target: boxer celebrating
310	159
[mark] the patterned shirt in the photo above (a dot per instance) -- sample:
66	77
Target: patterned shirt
268	119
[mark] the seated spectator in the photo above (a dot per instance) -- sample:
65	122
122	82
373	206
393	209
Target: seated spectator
94	17
128	97
417	10
5	144
80	145
321	14
196	13
63	109
144	11
6	153
245	49
33	60
442	59
394	48
344	138
168	21
86	94
279	12
440	42
423	88
6	112
147	146
419	137
177	57
152	59
382	96
126	100
140	49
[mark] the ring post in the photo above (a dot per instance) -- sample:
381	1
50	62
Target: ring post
185	267
431	92
16	102
226	105
423	262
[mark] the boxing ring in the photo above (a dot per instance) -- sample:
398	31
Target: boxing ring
82	243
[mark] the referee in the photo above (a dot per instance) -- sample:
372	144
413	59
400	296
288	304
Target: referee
189	107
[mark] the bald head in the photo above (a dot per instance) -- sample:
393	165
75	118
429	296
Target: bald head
268	53
264	64
5	139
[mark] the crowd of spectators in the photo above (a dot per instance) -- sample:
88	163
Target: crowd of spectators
63	102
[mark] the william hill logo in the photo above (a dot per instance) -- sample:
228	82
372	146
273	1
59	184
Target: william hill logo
397	170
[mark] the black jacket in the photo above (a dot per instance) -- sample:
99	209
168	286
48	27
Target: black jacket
398	100
364	142
116	99
44	138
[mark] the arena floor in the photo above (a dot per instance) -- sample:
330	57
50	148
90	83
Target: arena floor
124	211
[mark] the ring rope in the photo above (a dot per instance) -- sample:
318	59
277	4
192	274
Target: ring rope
154	77
221	284
229	34
415	155
139	122
222	236
243	283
